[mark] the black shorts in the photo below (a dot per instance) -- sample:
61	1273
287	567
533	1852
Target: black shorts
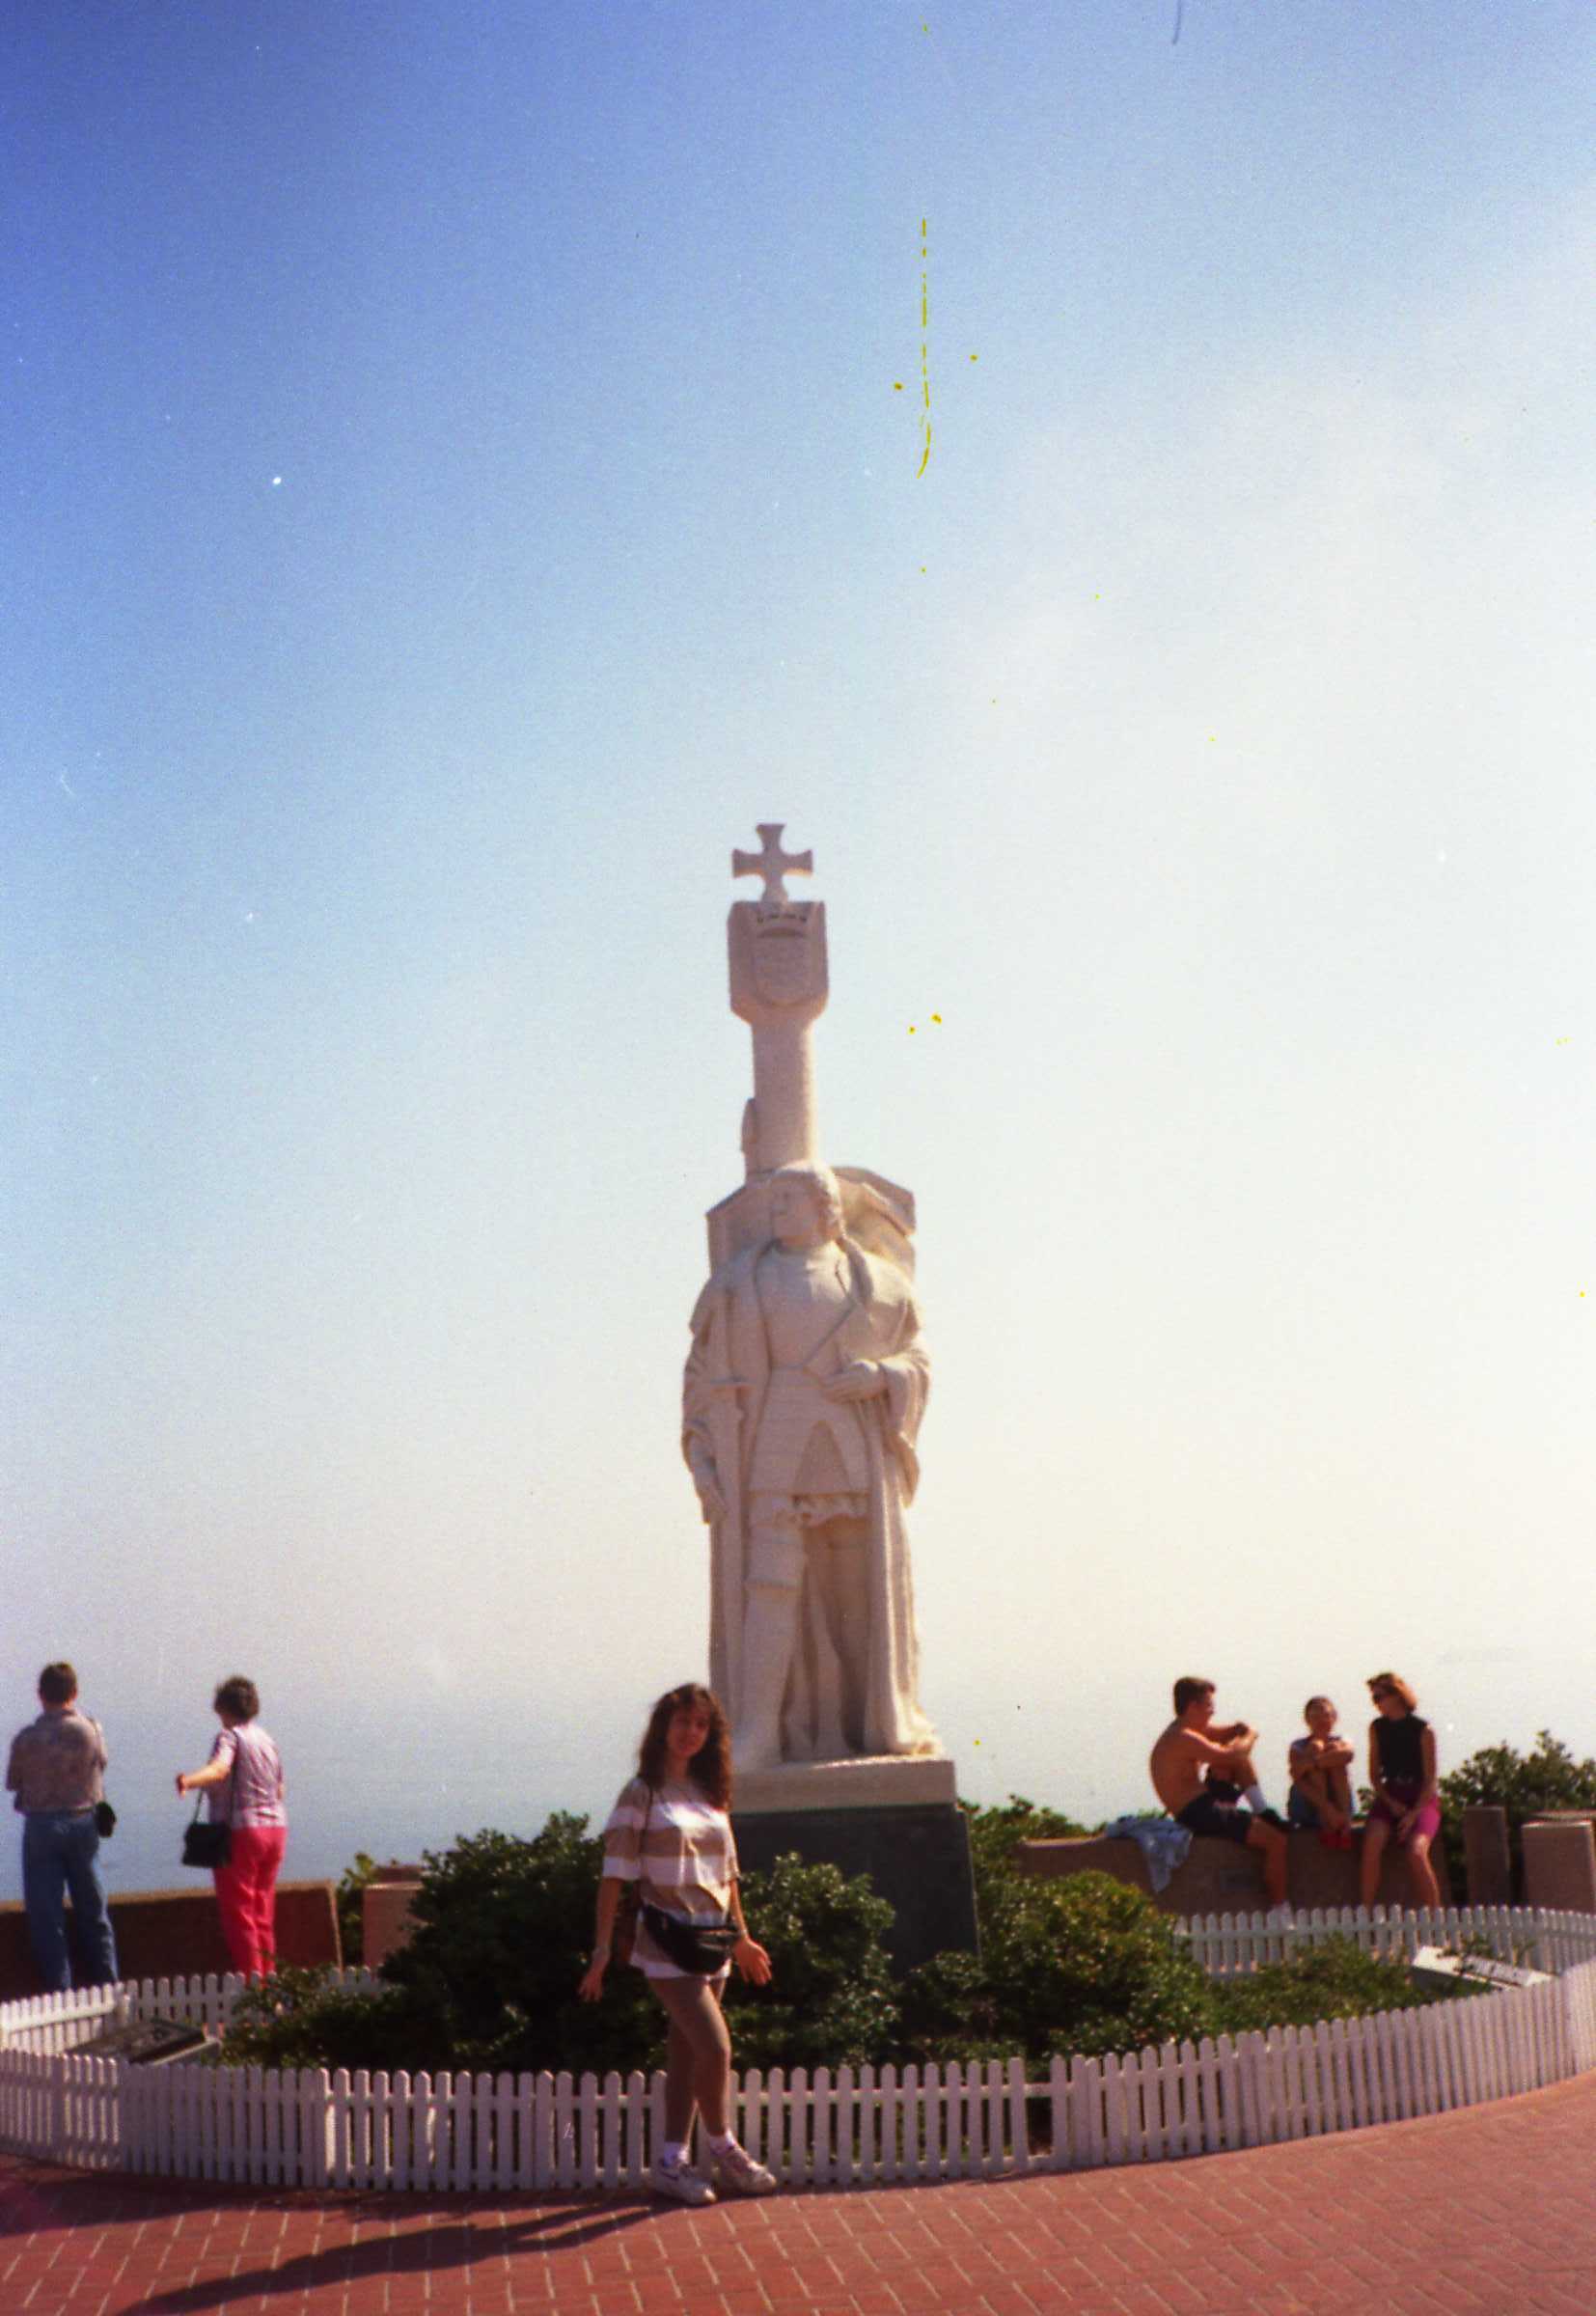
1206	1814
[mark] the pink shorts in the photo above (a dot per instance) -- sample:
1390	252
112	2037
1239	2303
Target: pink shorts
1426	1821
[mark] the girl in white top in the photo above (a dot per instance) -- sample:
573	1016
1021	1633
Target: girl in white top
670	1834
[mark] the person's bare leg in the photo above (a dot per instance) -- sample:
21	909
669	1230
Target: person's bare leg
1327	1790
699	2062
681	2096
1314	1788
1376	1835
1274	1845
1425	1889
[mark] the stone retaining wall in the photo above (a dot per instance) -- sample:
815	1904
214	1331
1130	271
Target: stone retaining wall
177	1933
1220	1877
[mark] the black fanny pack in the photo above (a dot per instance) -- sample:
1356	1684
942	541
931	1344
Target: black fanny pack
699	1949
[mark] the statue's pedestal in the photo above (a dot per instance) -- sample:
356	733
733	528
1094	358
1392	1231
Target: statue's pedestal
895	1817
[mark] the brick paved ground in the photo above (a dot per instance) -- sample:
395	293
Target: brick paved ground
1492	2212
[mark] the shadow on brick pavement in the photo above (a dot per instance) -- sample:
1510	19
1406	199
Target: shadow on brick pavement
1490	2211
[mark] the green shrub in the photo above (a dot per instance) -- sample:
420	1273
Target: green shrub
349	1898
502	1931
297	2018
1335	1980
503	1928
995	1834
1084	1964
949	2009
831	1999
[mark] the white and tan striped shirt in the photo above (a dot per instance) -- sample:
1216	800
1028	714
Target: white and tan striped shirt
685	1861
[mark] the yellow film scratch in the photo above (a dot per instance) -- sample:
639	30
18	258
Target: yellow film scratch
925	348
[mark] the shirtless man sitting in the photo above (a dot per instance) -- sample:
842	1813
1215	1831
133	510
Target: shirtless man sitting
1201	1770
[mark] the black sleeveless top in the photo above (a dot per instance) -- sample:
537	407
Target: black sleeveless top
1401	1749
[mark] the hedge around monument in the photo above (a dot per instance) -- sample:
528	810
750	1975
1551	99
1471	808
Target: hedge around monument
504	1926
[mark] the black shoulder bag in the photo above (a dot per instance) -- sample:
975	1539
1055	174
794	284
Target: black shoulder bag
208	1844
105	1817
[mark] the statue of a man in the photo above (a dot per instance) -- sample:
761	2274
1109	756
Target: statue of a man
801	1401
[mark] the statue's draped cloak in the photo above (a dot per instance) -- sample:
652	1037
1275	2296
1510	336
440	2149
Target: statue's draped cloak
724	1389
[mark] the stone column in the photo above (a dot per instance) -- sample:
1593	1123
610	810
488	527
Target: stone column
1559	1863
385	1905
1489	1865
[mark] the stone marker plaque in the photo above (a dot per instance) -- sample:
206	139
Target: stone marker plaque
1432	1966
143	2042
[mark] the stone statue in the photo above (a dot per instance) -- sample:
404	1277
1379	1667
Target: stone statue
804	1391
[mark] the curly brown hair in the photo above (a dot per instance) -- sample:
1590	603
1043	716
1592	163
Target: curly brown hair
710	1768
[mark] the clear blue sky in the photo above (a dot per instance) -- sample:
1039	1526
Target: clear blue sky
463	469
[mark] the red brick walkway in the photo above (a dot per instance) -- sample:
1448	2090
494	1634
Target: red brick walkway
1492	2211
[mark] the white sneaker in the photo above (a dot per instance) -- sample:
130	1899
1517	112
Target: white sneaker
680	2181
736	2170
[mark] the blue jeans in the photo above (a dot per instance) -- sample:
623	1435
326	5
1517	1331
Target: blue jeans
61	1853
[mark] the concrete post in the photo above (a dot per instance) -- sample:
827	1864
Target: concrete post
385	1905
1488	1868
1559	1865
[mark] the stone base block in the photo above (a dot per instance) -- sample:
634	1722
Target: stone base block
385	1907
864	1781
917	1856
1559	1863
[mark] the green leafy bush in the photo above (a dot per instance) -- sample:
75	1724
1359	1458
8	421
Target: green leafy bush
1085	1964
1335	1980
503	1928
349	1898
298	2018
996	1832
831	1998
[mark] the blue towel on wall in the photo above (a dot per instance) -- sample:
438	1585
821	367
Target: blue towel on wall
1164	1844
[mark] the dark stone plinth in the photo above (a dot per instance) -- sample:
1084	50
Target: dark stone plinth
917	1856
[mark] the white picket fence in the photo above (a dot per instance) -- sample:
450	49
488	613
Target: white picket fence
1226	1944
523	2133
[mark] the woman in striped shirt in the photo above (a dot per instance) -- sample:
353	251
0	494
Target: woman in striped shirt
670	1834
245	1778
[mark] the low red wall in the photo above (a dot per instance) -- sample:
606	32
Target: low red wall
177	1933
1220	1877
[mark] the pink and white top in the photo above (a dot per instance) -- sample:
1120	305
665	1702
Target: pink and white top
252	1793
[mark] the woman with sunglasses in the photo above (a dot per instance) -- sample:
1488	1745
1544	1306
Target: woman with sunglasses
1406	1798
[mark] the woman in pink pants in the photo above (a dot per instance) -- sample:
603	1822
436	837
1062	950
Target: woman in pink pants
245	1778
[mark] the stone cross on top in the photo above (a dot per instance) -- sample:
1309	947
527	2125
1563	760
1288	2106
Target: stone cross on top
772	864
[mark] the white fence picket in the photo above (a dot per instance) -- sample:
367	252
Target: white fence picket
543	2132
